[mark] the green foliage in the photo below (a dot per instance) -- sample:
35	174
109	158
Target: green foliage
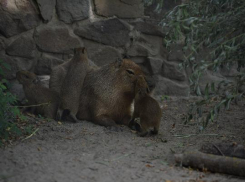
165	97
218	28
8	112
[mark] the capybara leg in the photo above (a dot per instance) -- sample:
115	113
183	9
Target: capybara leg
72	117
155	129
125	121
137	127
131	124
104	121
143	131
59	114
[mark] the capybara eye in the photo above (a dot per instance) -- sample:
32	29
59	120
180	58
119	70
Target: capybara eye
130	71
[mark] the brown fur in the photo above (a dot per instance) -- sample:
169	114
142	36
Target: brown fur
58	75
108	93
146	108
73	82
37	94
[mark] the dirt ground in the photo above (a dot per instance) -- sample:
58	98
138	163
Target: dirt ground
62	152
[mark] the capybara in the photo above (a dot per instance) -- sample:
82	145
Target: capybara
41	99
146	108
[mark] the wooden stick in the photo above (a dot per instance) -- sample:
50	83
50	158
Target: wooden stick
213	163
189	135
36	105
218	149
31	134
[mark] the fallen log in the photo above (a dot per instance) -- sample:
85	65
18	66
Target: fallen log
225	149
212	163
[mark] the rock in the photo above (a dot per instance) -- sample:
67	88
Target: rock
176	53
120	8
155	64
56	40
169	87
46	63
71	11
144	64
139	60
229	72
153	44
2	44
16	64
138	49
151	82
148	28
44	80
17	16
172	71
156	15
24	46
106	55
209	77
46	8
17	89
109	32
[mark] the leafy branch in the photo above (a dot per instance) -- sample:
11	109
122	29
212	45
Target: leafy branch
216	27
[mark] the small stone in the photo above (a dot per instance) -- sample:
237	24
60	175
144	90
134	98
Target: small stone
170	87
46	63
23	46
71	11
46	8
106	55
172	71
120	8
148	28
109	32
56	40
17	17
155	64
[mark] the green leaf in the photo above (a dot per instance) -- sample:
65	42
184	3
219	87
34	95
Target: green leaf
198	91
207	91
212	87
7	66
228	103
3	86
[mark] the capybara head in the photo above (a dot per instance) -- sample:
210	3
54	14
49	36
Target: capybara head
141	87
131	69
128	71
26	77
80	54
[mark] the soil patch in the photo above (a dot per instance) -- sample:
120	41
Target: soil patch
87	152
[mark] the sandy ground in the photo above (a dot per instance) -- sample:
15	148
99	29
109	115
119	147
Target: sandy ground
87	152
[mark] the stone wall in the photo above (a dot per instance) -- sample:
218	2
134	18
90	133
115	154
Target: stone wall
37	35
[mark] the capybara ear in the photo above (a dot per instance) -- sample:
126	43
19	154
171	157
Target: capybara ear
80	50
118	63
126	56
